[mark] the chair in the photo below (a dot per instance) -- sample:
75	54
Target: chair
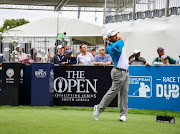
130	16
110	19
118	18
140	15
125	17
163	12
148	14
156	13
173	11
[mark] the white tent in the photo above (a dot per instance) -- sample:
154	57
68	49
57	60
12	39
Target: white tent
149	34
49	27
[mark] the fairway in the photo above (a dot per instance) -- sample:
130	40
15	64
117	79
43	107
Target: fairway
49	120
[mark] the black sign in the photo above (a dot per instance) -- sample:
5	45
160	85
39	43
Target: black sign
12	84
81	85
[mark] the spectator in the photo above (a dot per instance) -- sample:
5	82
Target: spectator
1	60
93	52
102	59
68	59
33	58
84	58
164	60
137	59
161	52
60	54
178	61
63	42
21	56
131	57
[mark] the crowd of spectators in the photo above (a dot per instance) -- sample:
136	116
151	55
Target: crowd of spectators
103	59
162	59
64	57
19	56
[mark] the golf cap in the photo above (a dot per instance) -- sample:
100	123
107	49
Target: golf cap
59	46
111	32
163	57
136	51
68	51
160	49
6	49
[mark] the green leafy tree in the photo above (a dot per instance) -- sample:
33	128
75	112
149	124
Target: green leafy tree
12	23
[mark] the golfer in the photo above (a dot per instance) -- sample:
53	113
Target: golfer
119	74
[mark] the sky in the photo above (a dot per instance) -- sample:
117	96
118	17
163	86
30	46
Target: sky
34	15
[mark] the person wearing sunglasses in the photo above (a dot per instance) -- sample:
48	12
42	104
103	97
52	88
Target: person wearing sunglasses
103	58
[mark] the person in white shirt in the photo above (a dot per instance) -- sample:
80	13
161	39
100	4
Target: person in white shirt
21	56
84	58
120	76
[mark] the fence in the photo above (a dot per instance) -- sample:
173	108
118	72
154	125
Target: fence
42	44
126	10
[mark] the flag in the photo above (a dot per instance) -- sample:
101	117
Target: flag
60	12
79	10
95	16
108	12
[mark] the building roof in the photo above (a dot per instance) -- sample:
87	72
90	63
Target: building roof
70	3
49	27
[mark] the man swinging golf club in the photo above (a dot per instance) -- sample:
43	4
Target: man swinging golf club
119	74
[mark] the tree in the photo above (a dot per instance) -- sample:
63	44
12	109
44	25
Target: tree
12	23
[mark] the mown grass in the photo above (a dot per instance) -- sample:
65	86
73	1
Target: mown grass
79	120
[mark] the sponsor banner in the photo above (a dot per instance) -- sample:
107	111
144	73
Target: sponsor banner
42	92
10	74
81	85
141	86
12	92
155	87
40	73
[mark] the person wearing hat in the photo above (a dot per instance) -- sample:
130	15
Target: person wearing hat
18	47
68	60
120	76
161	52
137	59
60	54
164	60
178	61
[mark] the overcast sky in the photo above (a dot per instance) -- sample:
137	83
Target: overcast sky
33	15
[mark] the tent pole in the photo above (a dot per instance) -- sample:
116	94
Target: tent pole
104	12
